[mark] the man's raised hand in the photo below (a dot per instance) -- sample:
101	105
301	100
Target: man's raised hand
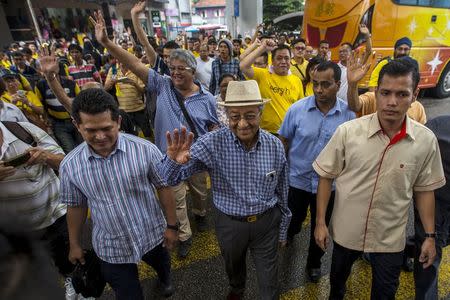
356	69
138	8
178	146
100	27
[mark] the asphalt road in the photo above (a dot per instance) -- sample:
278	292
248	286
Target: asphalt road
202	276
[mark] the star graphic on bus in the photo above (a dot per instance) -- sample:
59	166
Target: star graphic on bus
435	62
412	26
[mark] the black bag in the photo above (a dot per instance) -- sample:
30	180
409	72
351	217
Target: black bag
87	279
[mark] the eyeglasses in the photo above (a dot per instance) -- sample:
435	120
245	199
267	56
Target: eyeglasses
248	118
179	68
299	48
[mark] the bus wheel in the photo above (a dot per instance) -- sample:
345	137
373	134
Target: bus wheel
442	89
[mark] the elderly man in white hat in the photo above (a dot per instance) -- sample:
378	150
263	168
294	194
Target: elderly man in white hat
249	179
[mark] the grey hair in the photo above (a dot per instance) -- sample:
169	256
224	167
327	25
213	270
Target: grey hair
186	56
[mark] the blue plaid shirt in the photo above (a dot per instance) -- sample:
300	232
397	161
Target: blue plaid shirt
119	189
243	182
219	68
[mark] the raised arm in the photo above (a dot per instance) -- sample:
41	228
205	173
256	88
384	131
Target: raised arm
246	63
129	60
356	70
142	37
258	28
250	49
50	69
365	31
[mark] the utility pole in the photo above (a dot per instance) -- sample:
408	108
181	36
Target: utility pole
35	22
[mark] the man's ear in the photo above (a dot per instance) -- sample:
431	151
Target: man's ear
119	121
75	124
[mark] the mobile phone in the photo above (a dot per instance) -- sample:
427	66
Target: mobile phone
18	160
122	78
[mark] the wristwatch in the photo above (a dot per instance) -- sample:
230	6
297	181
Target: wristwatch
174	227
430	235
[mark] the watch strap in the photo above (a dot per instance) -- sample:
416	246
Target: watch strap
173	227
430	235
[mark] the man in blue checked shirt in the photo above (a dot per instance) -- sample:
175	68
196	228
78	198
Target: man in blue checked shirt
306	129
248	172
115	175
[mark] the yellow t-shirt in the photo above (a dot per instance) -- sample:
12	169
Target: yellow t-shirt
373	81
5	63
130	100
369	106
283	92
299	70
196	54
309	89
7	97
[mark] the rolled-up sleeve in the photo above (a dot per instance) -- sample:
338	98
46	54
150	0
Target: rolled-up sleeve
69	193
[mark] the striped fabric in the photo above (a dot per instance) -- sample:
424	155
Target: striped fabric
52	105
243	182
130	99
200	106
120	191
84	74
32	192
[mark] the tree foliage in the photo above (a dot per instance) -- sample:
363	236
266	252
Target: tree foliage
275	8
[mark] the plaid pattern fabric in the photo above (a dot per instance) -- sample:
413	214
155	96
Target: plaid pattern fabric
244	182
120	191
219	68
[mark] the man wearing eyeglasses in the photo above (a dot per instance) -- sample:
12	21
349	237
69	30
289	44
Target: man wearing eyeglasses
180	101
298	62
275	83
306	129
248	172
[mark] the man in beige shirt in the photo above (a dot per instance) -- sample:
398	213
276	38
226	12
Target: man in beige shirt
379	161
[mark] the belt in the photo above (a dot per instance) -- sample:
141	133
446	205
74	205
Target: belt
251	218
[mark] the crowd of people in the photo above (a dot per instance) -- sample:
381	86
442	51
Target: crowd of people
126	128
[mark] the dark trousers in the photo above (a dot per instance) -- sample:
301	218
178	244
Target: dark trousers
140	119
261	237
66	134
386	269
298	202
426	280
56	239
124	278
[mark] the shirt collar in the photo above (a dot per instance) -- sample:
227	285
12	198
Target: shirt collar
375	127
238	142
311	104
120	145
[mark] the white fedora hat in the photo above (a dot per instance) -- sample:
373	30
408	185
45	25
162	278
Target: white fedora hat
243	93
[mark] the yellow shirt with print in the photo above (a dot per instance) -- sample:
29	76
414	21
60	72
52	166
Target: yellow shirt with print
299	70
32	98
283	92
373	81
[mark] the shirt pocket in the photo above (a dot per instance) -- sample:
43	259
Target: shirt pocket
269	184
404	176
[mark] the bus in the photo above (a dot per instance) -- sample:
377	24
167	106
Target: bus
425	22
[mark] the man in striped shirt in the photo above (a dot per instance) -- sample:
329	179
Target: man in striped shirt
29	191
172	92
115	175
81	71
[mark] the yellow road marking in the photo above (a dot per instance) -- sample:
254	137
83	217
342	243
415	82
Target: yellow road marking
359	282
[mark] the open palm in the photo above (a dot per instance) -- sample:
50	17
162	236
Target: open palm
356	69
100	27
178	146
